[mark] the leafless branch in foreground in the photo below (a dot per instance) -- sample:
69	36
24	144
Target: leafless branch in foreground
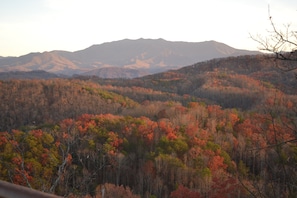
280	42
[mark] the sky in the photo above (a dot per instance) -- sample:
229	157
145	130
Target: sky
44	25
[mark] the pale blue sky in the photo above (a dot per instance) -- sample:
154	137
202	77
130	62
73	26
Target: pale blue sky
44	25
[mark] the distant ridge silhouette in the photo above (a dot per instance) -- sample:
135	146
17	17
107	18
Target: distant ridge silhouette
146	56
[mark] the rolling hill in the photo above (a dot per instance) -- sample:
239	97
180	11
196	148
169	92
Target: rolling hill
235	82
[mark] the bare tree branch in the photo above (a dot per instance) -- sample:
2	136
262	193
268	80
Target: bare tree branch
280	42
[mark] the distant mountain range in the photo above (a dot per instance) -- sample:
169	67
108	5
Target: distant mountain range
122	59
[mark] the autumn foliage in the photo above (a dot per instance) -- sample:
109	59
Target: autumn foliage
149	149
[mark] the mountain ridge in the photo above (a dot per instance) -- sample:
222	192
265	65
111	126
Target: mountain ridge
145	55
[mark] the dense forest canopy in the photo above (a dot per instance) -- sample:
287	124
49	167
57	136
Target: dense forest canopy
196	132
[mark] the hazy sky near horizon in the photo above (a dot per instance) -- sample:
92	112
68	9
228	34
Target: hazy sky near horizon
45	25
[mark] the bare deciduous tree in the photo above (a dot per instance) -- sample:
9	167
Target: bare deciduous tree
282	42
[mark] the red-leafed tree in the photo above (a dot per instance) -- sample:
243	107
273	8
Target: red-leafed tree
184	192
226	186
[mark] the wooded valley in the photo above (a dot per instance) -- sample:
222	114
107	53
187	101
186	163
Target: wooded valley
221	128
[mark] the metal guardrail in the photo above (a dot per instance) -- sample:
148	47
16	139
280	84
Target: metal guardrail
9	190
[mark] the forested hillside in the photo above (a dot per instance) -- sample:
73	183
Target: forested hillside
35	102
207	130
242	82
